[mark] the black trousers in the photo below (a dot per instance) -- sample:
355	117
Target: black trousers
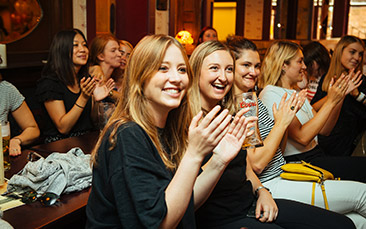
344	167
292	214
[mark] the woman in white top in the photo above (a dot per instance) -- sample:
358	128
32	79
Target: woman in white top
281	70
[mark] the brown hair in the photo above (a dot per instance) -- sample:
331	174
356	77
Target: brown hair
145	60
336	68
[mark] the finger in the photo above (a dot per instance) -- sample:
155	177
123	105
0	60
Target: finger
217	131
283	99
270	216
274	108
238	128
195	120
210	116
233	125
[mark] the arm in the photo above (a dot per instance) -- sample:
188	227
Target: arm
265	203
56	108
323	121
203	137
260	157
30	131
225	152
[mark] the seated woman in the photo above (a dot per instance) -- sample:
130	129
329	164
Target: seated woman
146	162
207	33
11	101
266	161
281	70
125	48
65	88
105	53
317	60
351	124
239	189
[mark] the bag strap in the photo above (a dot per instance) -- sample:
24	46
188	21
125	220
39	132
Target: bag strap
313	195
324	195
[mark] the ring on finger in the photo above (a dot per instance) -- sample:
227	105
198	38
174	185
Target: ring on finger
292	108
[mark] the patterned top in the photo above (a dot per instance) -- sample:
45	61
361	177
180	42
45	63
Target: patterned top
265	125
10	99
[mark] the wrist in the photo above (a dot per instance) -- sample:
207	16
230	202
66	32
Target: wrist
19	140
259	189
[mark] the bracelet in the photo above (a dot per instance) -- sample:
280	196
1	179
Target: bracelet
110	93
20	140
79	106
259	188
360	97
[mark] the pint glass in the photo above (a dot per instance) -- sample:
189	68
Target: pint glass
5	131
244	100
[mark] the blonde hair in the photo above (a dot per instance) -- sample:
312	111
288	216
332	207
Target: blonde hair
336	67
125	43
196	61
278	54
145	60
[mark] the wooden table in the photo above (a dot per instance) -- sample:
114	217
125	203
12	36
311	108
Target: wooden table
71	210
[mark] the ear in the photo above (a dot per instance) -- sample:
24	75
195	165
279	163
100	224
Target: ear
100	57
284	67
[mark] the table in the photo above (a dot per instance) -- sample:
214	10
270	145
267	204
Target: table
71	210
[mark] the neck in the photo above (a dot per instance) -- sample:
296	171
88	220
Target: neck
107	70
159	116
286	84
240	90
207	105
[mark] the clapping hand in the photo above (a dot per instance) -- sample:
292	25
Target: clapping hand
232	142
87	86
102	89
206	132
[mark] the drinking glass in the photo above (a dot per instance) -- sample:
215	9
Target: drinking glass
5	131
244	100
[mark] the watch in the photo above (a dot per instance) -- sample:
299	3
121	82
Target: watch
259	188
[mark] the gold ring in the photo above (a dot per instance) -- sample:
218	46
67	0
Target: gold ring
292	107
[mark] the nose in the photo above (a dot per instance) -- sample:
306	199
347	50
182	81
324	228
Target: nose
303	65
253	71
222	75
175	77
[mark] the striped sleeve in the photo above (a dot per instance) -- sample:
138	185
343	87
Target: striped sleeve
265	124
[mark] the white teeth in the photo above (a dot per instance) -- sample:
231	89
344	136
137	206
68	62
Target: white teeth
172	90
220	86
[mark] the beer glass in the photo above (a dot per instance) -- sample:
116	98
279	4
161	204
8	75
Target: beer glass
5	131
244	100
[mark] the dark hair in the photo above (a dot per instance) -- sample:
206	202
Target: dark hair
204	29
314	51
60	62
237	44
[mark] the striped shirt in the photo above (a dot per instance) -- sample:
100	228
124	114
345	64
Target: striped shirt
265	125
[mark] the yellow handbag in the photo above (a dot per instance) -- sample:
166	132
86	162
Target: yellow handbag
303	171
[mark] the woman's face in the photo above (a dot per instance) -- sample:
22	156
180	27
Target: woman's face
352	55
209	35
167	87
216	78
125	54
294	70
247	70
80	51
111	55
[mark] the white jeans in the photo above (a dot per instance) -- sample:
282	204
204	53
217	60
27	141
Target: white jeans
345	197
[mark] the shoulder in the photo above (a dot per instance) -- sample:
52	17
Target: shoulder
50	88
7	87
271	94
11	94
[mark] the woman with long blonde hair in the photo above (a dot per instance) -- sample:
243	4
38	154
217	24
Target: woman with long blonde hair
147	159
347	57
308	123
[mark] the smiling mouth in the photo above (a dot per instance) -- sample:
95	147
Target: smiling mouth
172	90
219	86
